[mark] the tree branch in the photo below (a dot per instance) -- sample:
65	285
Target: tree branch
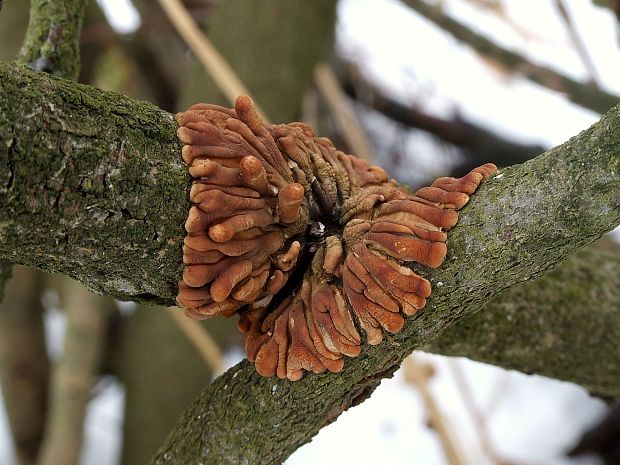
568	320
587	95
92	185
73	376
520	224
52	43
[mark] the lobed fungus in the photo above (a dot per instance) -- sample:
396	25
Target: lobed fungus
307	244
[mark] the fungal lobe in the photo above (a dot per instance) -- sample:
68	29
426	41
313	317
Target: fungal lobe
309	245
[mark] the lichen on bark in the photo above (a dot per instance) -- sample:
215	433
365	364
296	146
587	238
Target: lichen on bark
565	325
91	186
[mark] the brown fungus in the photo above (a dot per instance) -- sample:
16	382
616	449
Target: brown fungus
310	246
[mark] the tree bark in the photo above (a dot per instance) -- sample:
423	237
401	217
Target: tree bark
91	185
546	326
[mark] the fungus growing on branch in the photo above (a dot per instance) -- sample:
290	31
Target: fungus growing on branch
310	246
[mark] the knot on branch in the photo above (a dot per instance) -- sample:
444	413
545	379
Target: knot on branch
308	244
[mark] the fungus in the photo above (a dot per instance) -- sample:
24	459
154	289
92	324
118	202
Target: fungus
310	246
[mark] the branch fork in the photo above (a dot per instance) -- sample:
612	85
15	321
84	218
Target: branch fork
309	245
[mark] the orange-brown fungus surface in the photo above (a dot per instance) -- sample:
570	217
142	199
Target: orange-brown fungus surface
309	245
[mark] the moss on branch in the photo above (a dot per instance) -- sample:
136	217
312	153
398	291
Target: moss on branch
519	224
565	325
52	42
91	185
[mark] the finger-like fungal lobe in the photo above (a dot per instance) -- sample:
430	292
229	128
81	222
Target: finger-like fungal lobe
310	246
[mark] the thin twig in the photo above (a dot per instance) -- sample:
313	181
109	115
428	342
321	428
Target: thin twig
478	417
415	374
354	134
575	38
482	144
215	64
200	339
585	94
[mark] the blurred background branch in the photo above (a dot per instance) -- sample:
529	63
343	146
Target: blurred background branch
546	326
24	364
73	375
53	37
588	95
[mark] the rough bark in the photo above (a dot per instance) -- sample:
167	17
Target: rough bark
587	95
24	365
91	186
520	224
52	42
536	327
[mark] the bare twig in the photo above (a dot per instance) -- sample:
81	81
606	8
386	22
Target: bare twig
200	339
212	60
586	95
575	38
347	122
415	373
479	418
482	145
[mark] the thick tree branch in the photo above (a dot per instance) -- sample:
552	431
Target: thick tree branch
91	185
52	43
520	224
587	95
565	325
